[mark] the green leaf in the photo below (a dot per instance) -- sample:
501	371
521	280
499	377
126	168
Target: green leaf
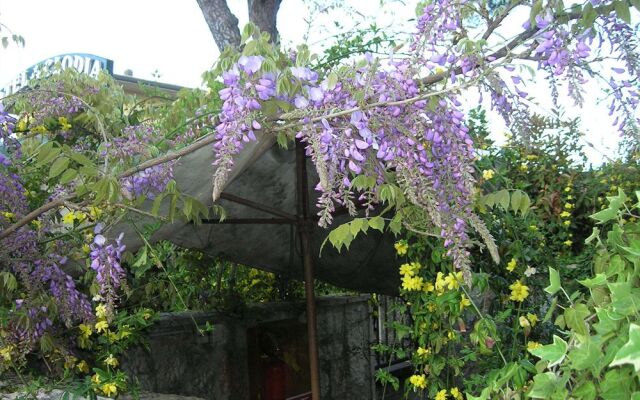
553	353
543	385
9	281
630	352
574	317
605	322
616	385
89	171
503	199
595	233
80	158
589	15
341	236
283	140
586	391
357	225
622	11
68	176
623	298
332	80
155	208
484	395
554	281
395	226
377	223
598	280
584	356
58	166
516	197
605	215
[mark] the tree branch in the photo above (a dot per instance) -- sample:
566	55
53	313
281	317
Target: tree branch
35	214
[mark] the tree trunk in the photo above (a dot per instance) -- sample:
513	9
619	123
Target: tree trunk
222	23
263	13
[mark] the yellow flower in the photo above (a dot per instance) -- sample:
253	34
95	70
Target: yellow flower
455	393
451	335
8	215
569	197
124	332
453	280
95	379
70	362
39	129
101	311
567	243
524	322
83	367
80	216
524	167
68	218
5	352
85	330
111	361
112	336
488	174
519	292
464	302
109	389
64	124
567	189
412	283
568	206
401	248
418	381
565	214
440	283
566	223
36	224
147	314
407	270
533	345
86	249
428	287
511	265
441	395
423	352
94	212
532	157
532	318
102	326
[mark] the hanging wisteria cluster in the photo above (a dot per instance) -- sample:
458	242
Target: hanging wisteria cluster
404	116
105	261
133	145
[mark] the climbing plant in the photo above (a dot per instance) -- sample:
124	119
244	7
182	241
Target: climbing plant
388	138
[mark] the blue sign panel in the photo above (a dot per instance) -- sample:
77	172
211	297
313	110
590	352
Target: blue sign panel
85	63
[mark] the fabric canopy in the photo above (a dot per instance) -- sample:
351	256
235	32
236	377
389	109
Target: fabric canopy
259	198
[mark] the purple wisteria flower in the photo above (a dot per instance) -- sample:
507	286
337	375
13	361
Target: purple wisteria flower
105	261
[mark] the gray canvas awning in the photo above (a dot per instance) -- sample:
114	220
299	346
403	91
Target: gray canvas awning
261	204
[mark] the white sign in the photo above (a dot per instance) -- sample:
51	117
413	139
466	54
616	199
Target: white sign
84	63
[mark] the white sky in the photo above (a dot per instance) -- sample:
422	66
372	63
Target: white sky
172	37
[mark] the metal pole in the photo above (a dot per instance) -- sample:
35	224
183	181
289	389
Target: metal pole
304	225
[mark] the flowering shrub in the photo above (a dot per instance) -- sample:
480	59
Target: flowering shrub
486	339
388	139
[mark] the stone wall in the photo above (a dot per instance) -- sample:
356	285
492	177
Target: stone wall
217	365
